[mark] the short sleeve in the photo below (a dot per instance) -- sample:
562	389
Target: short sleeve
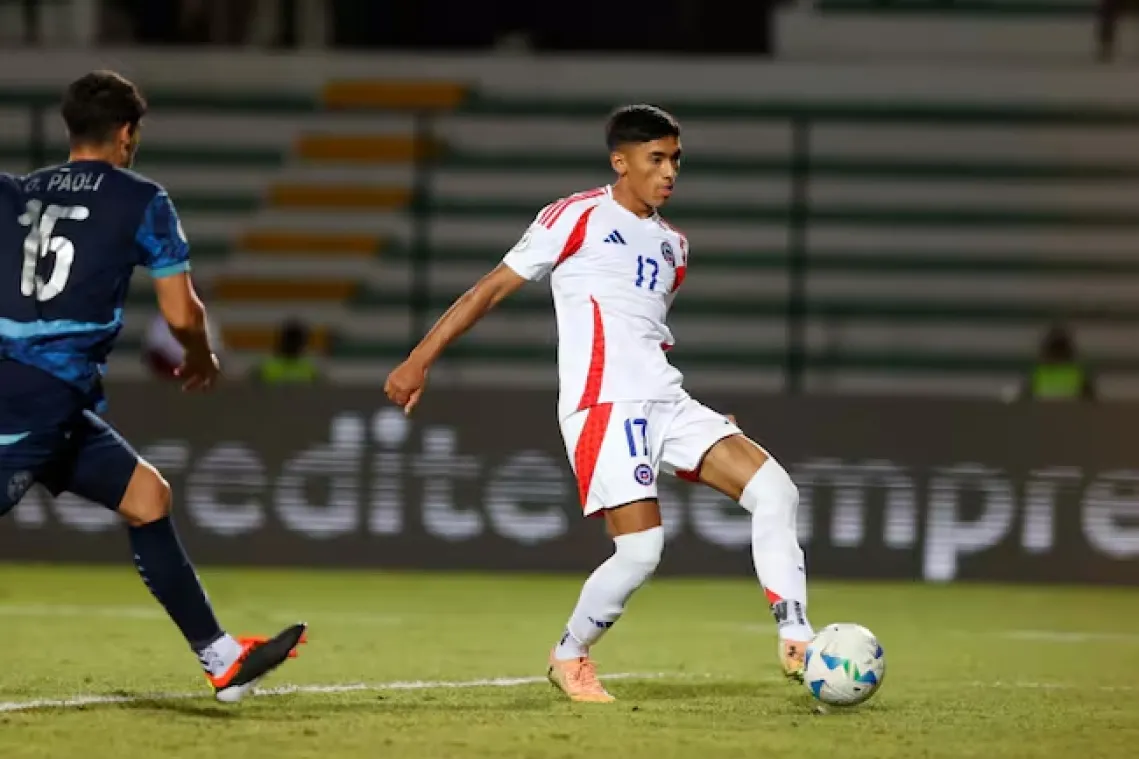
165	250
534	255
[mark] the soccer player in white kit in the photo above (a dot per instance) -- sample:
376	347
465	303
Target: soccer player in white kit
615	266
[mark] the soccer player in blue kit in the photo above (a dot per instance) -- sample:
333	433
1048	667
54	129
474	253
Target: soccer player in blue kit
70	237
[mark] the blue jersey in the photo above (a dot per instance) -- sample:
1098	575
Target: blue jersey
70	238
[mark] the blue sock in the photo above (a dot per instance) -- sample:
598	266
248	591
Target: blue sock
166	570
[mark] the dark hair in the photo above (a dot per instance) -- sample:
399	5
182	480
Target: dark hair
98	104
1058	344
293	338
639	123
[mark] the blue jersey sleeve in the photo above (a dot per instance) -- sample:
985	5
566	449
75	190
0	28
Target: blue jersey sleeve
165	250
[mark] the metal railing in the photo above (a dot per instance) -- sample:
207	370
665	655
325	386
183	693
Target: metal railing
803	167
31	17
39	23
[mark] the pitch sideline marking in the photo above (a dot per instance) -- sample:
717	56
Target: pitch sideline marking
1071	636
76	702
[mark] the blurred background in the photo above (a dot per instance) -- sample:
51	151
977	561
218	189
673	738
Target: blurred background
908	202
884	196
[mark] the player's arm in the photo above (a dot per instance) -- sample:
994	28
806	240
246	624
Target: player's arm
532	258
465	312
405	384
184	311
166	253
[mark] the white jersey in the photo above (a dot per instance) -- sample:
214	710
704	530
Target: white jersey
614	276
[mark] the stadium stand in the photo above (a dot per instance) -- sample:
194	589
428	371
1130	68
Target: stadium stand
968	32
961	8
939	240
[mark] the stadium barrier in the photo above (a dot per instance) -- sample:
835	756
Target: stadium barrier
933	490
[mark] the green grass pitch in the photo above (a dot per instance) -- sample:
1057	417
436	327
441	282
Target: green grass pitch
973	671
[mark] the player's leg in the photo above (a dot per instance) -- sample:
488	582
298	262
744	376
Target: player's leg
740	469
23	454
611	449
34	412
714	451
102	467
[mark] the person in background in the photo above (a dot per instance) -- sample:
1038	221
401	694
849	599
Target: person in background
1108	15
1058	373
290	364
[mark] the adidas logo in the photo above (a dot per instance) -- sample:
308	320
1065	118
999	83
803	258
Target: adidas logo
615	237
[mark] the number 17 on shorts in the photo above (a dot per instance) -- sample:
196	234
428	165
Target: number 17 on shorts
614	455
639	449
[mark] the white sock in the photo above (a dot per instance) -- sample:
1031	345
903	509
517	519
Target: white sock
773	501
605	593
220	655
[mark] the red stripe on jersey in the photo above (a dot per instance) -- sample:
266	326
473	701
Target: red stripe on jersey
554	211
681	271
682	264
576	237
548	212
588	448
596	372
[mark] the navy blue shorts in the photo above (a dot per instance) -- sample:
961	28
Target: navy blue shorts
49	436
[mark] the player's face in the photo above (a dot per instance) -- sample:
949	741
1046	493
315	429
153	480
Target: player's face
649	169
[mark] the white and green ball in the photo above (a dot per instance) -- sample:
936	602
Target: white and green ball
845	665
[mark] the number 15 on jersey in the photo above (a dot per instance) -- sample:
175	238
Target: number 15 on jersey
41	241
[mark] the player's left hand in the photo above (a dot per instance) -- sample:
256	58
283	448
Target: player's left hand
405	385
198	372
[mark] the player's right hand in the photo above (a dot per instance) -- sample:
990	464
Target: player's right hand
405	384
199	371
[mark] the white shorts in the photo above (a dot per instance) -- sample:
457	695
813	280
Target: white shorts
618	449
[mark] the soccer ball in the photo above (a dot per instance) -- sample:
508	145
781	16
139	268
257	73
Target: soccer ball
845	665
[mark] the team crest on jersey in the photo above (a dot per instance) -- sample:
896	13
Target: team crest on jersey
667	254
20	483
643	474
